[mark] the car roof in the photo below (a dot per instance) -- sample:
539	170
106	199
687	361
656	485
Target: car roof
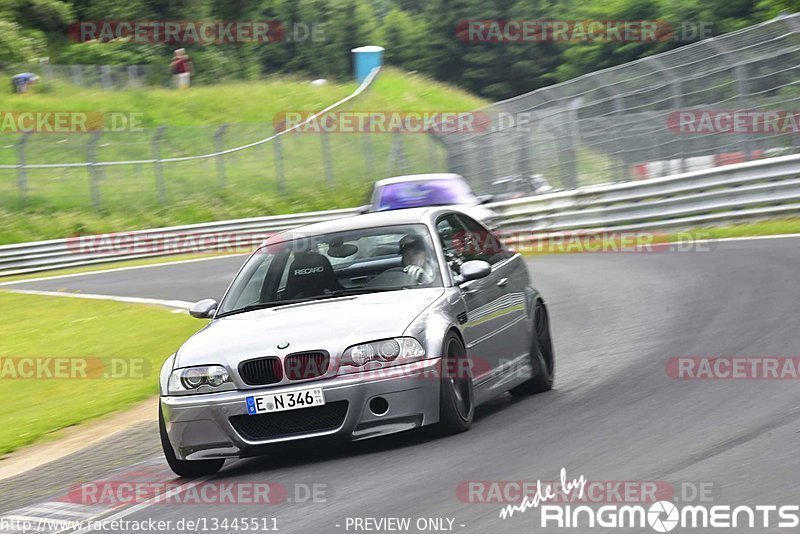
419	178
367	220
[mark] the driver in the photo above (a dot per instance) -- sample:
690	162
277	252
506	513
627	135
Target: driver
415	259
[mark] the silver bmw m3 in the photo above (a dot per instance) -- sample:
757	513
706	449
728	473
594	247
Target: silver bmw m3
355	328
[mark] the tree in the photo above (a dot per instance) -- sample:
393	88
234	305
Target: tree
16	45
45	15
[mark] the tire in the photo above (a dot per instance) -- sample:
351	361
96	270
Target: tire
542	356
456	398
185	468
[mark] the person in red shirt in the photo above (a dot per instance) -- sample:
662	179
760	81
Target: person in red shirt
181	68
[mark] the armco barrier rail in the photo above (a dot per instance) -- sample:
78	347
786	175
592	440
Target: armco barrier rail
765	188
239	234
756	189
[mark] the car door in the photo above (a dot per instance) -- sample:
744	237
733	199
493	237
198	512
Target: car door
510	327
482	327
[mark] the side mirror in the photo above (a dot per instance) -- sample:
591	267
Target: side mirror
485	199
473	270
364	209
205	309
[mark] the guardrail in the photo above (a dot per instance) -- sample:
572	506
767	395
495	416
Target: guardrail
757	189
80	251
765	188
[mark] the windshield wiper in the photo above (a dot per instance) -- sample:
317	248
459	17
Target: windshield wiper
361	290
264	305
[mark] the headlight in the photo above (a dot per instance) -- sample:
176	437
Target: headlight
193	379
394	351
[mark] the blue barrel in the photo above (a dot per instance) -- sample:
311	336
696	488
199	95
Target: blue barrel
365	59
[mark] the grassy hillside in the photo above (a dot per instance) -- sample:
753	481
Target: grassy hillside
58	202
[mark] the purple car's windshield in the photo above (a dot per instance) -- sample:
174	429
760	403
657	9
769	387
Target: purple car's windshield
420	193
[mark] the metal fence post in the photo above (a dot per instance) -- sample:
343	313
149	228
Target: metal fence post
369	157
47	71
486	155
618	101
278	150
159	171
574	137
218	143
738	73
77	74
522	134
452	157
677	103
397	156
94	171
327	161
106	78
431	153
22	174
133	76
535	152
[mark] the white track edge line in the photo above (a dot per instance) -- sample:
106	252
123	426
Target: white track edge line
177	304
116	269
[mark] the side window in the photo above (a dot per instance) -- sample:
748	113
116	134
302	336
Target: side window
448	228
478	243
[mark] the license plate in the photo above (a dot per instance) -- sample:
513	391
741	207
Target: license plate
288	400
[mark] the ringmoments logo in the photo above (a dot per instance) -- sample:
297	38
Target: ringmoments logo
661	516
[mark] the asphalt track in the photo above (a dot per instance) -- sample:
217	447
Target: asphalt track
615	414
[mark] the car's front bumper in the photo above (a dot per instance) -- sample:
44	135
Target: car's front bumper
199	426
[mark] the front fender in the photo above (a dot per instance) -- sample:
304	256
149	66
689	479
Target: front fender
166	370
531	296
432	325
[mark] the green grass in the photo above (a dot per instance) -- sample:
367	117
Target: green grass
59	201
773	227
41	327
199	106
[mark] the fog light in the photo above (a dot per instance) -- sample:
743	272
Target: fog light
379	406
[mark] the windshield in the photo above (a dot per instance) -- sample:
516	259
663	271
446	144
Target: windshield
309	268
420	193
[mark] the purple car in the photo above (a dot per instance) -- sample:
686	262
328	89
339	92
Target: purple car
421	190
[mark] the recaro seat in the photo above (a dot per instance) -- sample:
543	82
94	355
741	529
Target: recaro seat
310	275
